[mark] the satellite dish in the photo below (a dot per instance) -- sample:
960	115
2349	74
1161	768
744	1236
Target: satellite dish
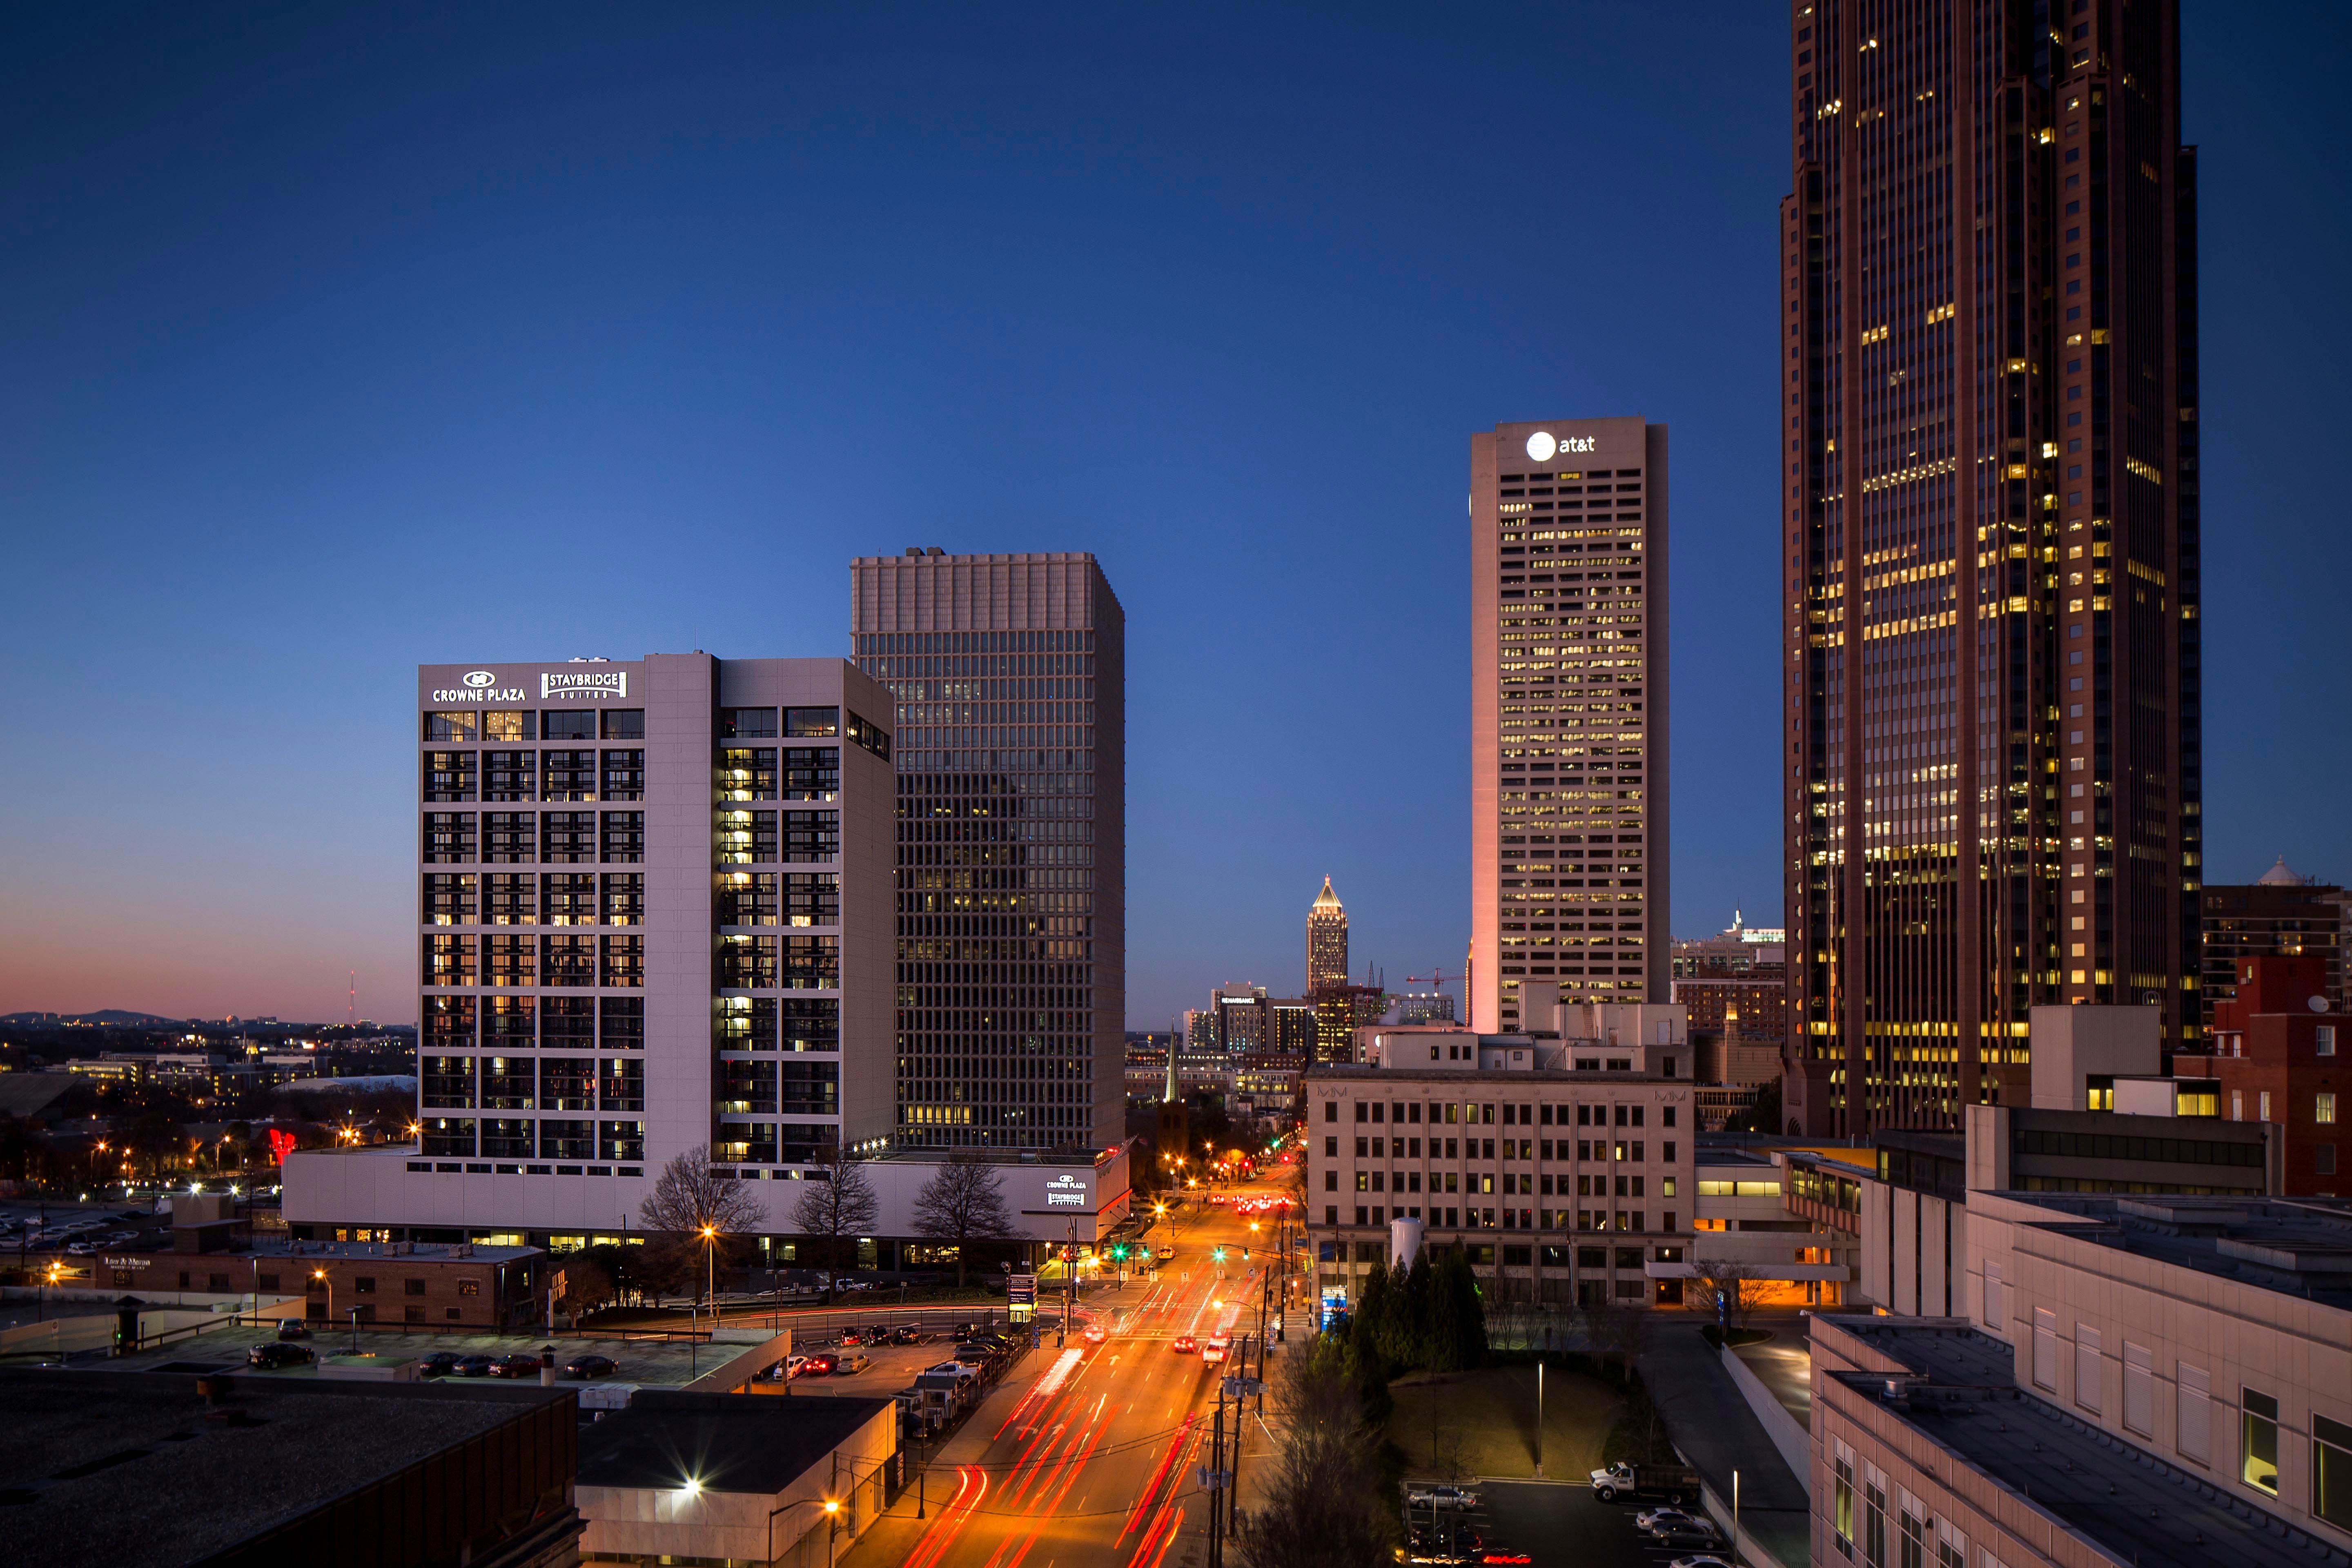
2318	1004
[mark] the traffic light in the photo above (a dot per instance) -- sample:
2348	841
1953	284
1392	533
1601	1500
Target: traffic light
1244	1255
1217	1254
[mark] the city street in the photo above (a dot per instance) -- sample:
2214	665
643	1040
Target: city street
1088	1454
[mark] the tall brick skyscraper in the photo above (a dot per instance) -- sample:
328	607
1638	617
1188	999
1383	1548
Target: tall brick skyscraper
1009	673
1989	293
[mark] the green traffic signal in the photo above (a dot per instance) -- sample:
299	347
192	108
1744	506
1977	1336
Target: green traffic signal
1218	1255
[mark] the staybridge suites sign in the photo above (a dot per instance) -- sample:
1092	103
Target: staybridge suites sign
554	685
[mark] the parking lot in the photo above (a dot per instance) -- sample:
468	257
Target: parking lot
1558	1524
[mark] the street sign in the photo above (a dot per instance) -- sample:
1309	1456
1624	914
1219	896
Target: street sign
1242	1387
1021	1290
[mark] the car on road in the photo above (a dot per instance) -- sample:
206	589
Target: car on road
819	1365
851	1361
1093	1334
591	1366
269	1357
440	1363
476	1365
1433	1496
1165	1253
1185	1344
1217	1348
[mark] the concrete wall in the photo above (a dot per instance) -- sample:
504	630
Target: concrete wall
1911	1252
2072	1043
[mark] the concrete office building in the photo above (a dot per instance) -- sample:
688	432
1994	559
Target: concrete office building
1990	554
1009	678
653	907
1569	863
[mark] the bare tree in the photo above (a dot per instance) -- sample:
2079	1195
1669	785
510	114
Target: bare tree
692	1206
1731	1289
586	1286
1449	1451
1618	1330
1323	1504
839	1204
964	1203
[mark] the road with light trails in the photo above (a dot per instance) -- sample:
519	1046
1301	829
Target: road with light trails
1087	1454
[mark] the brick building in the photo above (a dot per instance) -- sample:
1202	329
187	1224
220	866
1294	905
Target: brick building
2274	1058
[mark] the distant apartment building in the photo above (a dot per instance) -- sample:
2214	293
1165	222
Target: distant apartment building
1561	1163
1419	1007
1008	676
1339	1010
2279	915
1569	814
2271	1056
1327	941
1734	951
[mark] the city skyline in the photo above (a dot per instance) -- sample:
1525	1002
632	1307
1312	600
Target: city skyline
257	441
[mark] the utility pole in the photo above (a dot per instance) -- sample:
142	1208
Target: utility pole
1216	1481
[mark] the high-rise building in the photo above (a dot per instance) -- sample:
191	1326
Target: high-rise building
2278	915
1567	705
1327	941
1010	677
1989	544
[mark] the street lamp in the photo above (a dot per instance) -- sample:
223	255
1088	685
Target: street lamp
321	1275
711	1269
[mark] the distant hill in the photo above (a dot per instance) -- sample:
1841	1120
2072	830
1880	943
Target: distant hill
114	1018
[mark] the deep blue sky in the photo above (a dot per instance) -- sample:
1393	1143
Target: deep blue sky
333	340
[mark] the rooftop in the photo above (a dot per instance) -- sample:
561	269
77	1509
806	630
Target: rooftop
129	1468
727	1442
2130	1503
403	1251
2299	1247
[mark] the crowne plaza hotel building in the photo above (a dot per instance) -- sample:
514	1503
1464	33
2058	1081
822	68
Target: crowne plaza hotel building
1989	531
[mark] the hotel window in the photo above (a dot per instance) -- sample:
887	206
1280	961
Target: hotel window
508	960
748	1087
748	1142
623	841
624	898
746	1024
449	960
570	897
2323	1107
448	1082
448	1136
567	1083
624	723
2322	1040
567	724
506	724
747	962
510	898
811	722
748	899
568	961
747	772
623	775
507	1083
811	1024
810	1087
746	724
508	1023
621	1084
2331	1472
511	775
813	898
567	1022
623	961
448	1023
870	735
746	838
622	1023
503	1138
811	773
448	775
810	836
448	839
2258	1440
620	1140
569	837
449	898
457	726
510	837
567	776
567	1140
811	963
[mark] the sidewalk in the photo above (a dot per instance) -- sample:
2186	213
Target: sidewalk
1710	1422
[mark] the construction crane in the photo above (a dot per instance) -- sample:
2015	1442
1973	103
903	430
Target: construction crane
1436	976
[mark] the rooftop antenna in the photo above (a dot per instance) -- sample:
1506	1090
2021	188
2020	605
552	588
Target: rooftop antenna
352	999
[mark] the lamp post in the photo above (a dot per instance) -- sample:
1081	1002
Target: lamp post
711	1269
321	1275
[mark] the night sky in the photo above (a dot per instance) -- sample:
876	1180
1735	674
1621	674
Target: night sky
333	340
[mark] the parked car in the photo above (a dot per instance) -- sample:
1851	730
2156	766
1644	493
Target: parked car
270	1357
440	1363
908	1334
1185	1344
1651	1516
1699	1560
82	1248
517	1365
1432	1496
878	1334
1676	1483
476	1365
1686	1532
949	1369
787	1369
855	1337
818	1365
591	1366
292	1329
851	1361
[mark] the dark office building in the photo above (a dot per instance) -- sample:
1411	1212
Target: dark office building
2277	915
1990	307
1009	673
